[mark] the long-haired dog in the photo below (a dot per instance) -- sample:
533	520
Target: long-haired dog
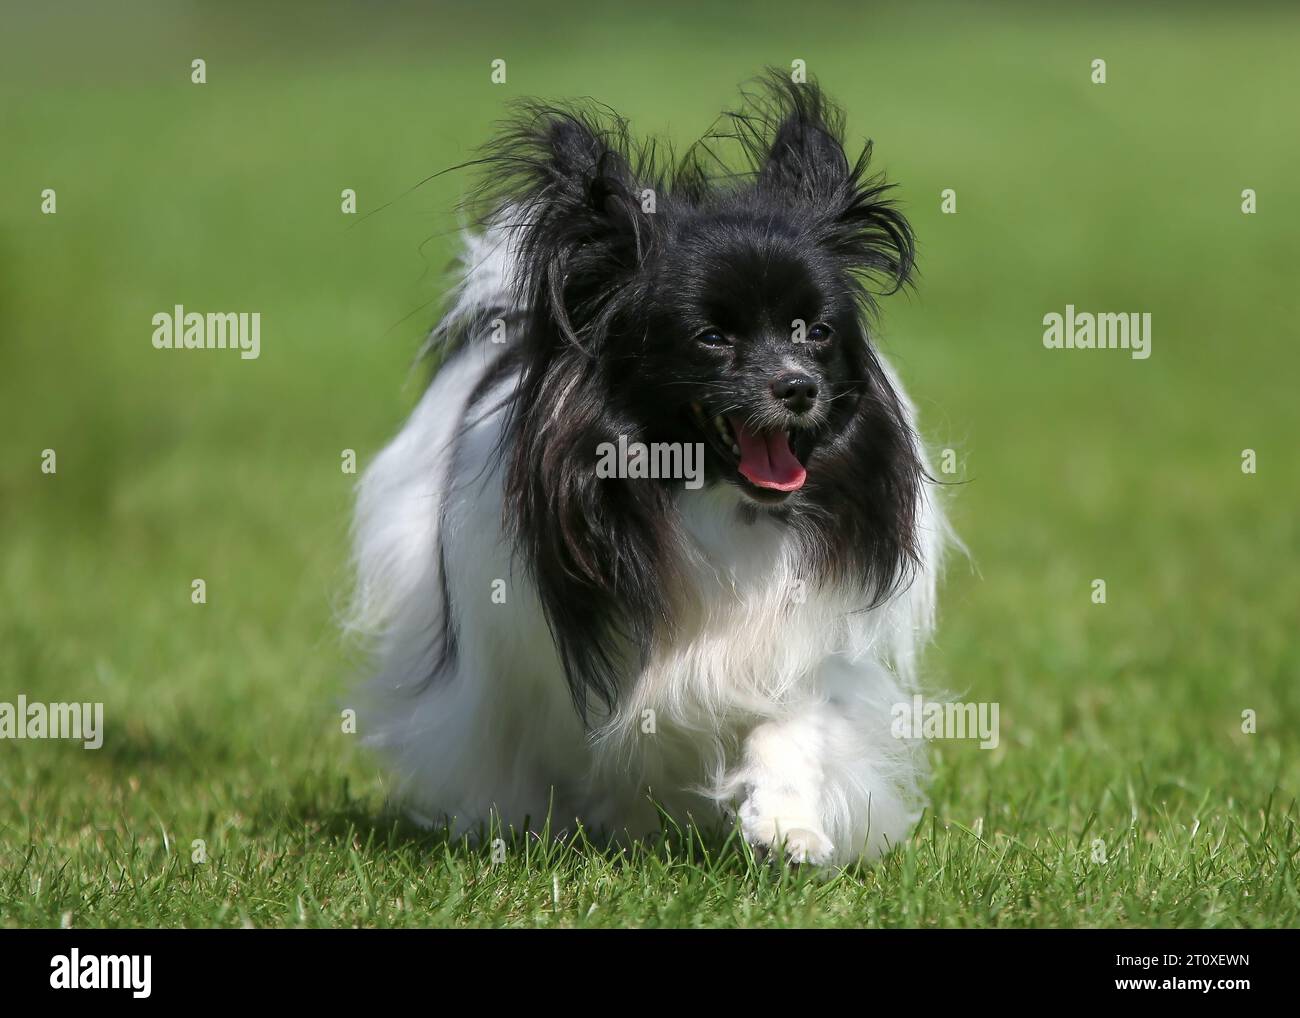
554	641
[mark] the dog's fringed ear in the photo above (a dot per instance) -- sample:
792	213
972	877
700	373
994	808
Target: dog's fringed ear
794	137
566	179
566	183
805	154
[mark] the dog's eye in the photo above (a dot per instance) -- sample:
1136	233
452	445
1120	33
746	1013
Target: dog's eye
820	332
712	337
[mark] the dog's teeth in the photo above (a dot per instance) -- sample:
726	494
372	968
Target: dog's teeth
735	449
721	426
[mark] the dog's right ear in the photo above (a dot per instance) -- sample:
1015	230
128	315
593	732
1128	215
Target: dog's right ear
563	180
566	183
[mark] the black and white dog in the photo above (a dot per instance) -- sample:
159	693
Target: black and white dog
554	641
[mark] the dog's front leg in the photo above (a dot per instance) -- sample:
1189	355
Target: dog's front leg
783	778
830	779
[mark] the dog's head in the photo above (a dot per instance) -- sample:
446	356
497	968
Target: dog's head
755	343
702	302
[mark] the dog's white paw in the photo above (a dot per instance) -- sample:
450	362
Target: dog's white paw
802	842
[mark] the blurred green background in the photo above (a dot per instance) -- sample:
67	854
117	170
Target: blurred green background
1119	721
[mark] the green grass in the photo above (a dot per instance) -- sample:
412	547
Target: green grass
1120	722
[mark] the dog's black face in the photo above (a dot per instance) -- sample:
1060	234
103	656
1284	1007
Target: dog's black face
707	303
753	348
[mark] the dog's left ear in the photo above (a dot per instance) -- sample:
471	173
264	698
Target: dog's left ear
805	155
797	137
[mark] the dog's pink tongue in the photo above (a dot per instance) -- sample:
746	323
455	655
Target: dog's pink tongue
766	459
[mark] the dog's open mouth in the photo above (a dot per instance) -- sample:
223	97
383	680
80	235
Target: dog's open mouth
765	460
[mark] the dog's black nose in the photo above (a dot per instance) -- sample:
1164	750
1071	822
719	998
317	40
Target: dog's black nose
798	392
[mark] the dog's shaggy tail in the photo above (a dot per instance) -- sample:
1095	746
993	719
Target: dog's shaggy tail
397	604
